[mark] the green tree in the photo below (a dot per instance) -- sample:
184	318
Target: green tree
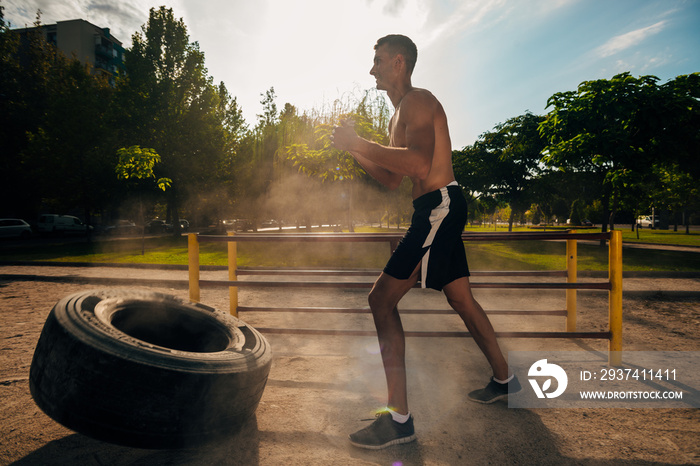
267	142
235	129
257	164
168	102
504	163
592	130
12	126
675	120
26	70
52	127
617	129
519	162
314	155
474	170
672	119
135	166
678	191
269	117
70	147
575	214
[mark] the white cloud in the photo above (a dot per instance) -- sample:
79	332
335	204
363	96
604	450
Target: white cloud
630	39
655	62
443	23
123	18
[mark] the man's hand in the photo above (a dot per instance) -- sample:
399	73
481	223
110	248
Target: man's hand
344	136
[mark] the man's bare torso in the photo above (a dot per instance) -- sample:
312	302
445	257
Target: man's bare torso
441	172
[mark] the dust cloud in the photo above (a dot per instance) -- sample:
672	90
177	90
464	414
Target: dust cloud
300	201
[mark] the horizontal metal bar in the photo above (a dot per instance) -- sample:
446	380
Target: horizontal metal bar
554	286
520	236
370	333
378	237
215	283
303	237
308	272
519	273
372	272
340	310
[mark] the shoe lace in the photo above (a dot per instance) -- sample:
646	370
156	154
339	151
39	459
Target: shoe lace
376	415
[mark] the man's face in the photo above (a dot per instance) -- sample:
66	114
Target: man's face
382	70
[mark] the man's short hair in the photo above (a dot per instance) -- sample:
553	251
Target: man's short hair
403	45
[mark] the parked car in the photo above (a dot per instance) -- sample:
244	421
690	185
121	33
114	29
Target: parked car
123	227
184	225
158	226
243	224
645	221
61	224
14	228
271	223
584	222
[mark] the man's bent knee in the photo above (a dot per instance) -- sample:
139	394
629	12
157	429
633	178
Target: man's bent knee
459	295
380	299
387	292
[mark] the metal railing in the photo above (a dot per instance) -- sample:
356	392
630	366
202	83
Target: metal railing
613	285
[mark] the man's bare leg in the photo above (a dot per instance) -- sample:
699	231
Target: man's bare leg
383	299
460	298
390	427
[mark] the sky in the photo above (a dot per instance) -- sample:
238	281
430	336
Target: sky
485	60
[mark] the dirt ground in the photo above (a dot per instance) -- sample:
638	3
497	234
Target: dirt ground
321	388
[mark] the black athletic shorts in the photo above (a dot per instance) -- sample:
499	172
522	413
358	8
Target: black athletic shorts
434	239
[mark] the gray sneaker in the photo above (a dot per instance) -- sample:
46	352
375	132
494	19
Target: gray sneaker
383	432
495	391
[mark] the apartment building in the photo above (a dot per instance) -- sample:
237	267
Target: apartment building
86	42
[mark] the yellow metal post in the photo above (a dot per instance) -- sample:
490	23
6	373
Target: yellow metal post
571	264
615	298
193	265
232	265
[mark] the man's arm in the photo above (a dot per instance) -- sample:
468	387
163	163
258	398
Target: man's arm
413	160
382	175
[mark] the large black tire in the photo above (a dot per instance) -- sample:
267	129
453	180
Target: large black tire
147	370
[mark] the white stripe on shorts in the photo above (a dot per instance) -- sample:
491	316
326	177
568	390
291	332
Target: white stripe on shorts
437	215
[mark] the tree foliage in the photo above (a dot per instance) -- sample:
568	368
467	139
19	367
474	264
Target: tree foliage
619	129
624	144
310	150
313	153
136	163
504	163
53	128
169	103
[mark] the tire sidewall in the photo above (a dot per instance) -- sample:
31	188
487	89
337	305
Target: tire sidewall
87	316
97	380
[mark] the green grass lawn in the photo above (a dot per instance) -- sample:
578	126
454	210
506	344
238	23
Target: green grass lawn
662	237
678	238
502	255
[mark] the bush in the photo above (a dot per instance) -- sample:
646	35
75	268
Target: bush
575	215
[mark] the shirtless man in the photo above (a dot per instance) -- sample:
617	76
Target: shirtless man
432	248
